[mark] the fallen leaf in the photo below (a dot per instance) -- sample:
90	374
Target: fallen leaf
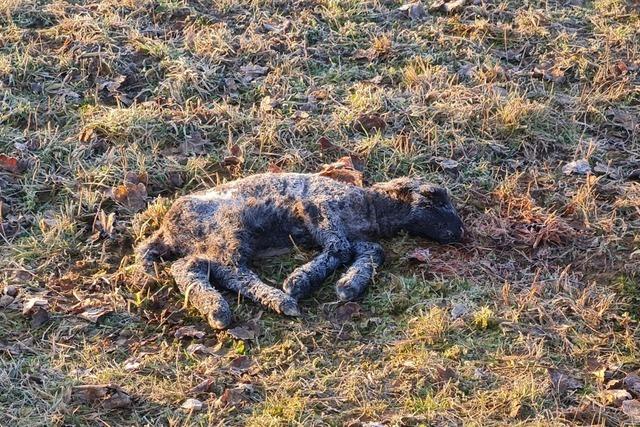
586	414
634	175
445	164
299	114
365	54
232	161
253	325
348	311
33	304
235	396
515	55
449	165
175	178
241	364
604	169
419	255
467	71
326	145
274	168
481	374
562	382
447	6
554	75
344	175
131	365
596	367
267	104
241	333
277	28
318	95
369	123
109	396
112	86
94	314
414	10
195	144
234	158
131	196
616	397
625	119
445	374
343	170
39	317
189	332
192	405
6	300
631	408
11	290
632	384
87	134
459	310
194	349
251	72
136	178
204	386
549	72
621	68
231	88
454	6
577	167
10	164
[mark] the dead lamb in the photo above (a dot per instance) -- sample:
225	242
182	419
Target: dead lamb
213	235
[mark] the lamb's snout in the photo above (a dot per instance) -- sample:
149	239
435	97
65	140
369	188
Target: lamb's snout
451	234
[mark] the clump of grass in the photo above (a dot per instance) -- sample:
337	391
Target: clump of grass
517	114
483	318
629	288
431	327
92	94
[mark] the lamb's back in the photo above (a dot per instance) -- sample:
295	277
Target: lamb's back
293	186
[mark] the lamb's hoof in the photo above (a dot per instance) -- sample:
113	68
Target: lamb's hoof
347	293
220	320
297	285
289	307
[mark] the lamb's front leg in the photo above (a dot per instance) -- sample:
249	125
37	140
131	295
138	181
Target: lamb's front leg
335	253
242	280
368	257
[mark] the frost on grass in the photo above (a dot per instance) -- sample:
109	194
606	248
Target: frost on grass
110	107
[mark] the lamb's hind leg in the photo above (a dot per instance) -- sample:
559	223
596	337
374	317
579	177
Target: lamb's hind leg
247	283
192	277
150	251
368	257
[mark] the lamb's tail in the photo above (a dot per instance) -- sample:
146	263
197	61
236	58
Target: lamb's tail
150	251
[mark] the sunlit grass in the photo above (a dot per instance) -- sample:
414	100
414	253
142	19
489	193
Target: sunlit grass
491	101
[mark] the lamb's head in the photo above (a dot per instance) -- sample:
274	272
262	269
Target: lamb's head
431	213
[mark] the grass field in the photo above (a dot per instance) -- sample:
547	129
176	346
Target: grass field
110	106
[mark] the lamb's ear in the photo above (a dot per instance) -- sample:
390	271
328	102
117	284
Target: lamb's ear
434	193
399	188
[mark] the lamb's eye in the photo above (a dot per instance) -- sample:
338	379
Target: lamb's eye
440	203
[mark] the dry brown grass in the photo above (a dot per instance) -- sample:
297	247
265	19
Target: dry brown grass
178	95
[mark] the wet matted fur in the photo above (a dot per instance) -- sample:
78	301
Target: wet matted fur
213	235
